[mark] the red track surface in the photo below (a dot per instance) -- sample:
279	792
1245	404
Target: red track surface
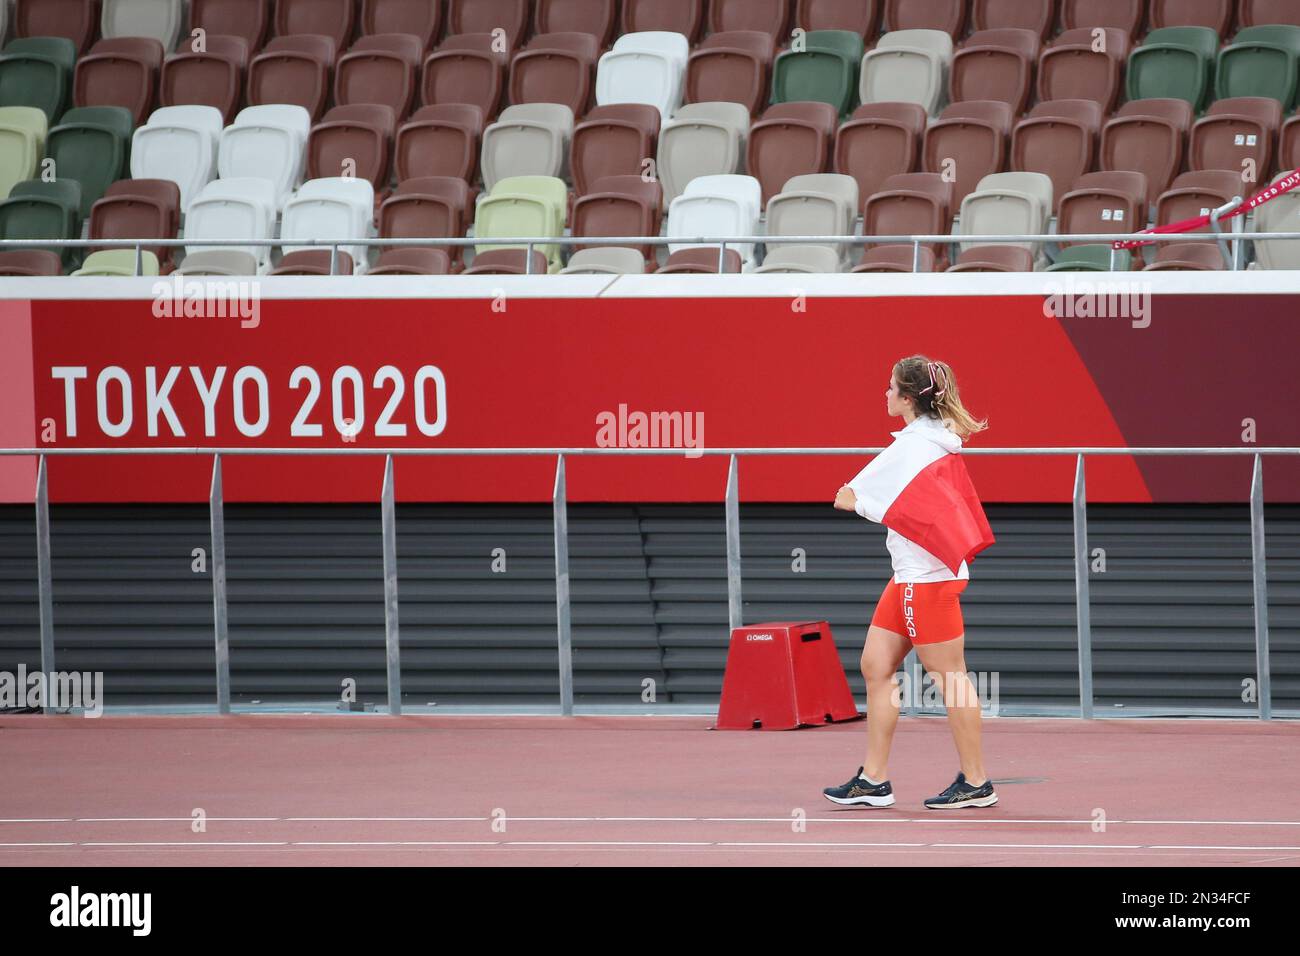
633	790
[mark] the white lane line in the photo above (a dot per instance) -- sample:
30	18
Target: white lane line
37	844
395	843
175	819
1053	846
844	817
797	843
383	819
37	820
635	843
1225	848
609	843
194	843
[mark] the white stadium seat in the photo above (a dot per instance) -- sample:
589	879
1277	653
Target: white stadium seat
178	143
645	68
159	19
266	142
338	207
908	66
702	139
716	206
528	139
1008	204
233	209
818	204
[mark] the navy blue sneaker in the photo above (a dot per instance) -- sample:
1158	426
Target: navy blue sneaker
859	791
962	794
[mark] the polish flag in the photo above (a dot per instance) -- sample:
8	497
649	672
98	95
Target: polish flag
921	489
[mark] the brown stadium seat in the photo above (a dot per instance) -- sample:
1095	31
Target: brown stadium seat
380	69
1108	202
1254	13
295	71
620	206
139	209
33	262
336	19
896	258
732	67
995	65
313	262
791	139
946	15
969	140
913	204
1193	194
1188	257
556	68
440	140
1059	139
857	16
420	18
248	19
357	138
672	16
1288	146
994	257
1149	136
597	17
1070	69
212	78
77	20
766	16
122	71
1235	130
701	260
1036	15
412	261
484	16
878	141
1215	14
613	141
428	207
507	262
466	69
1125	15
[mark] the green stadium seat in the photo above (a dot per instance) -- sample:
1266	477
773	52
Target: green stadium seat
1091	258
91	145
22	144
1174	63
118	262
1260	61
37	71
523	206
39	210
825	71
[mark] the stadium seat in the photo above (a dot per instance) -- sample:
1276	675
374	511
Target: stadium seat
1058	138
968	142
465	69
139	209
1107	202
22	144
531	139
670	16
157	19
116	263
179	143
878	141
946	15
1253	13
508	262
484	16
335	19
801	259
1194	194
1008	204
732	67
218	262
1148	136
1125	15
766	16
825	70
36	209
1072	68
620	206
379	68
354	140
1237	134
1036	15
334	207
441	140
1174	62
791	139
314	262
1188	257
995	65
248	19
120	72
228	208
909	204
90	145
412	261
1215	14
909	66
419	18
556	68
613	141
30	262
293	70
266	142
214	77
701	260
1260	61
647	68
1278	215
597	17
75	20
38	72
1092	258
523	206
1288	146
719	206
858	16
428	207
605	260
824	204
994	257
703	139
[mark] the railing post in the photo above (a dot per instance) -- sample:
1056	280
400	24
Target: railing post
1114	259
1081	595
735	607
388	515
139	260
334	260
528	261
216	509
916	256
562	616
45	583
1262	670
722	257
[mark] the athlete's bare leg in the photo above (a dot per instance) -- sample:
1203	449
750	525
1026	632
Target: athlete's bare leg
881	655
946	664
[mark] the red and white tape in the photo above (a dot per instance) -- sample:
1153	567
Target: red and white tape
1267	194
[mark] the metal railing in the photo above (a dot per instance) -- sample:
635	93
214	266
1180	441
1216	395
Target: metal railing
560	518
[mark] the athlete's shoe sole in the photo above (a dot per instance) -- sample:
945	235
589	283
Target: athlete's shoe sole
865	800
972	802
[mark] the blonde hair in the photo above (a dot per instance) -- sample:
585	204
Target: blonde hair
932	386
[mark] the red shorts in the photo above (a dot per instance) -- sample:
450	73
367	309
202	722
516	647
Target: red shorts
923	613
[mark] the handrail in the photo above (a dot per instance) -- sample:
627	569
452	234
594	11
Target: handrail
1102	450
